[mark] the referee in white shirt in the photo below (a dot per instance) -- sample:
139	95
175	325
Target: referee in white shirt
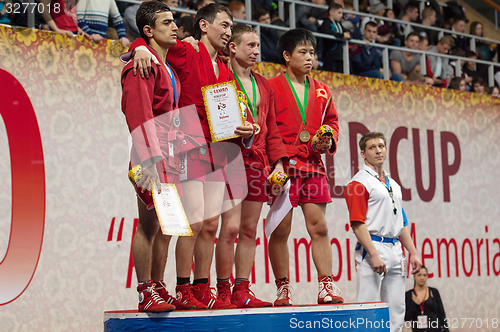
379	223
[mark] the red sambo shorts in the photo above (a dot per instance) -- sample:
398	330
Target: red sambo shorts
257	185
309	188
194	168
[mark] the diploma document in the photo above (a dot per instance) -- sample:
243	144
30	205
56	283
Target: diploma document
171	215
223	110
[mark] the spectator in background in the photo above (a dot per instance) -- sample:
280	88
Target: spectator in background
4	16
469	70
460	41
410	14
485	51
316	63
404	62
93	16
457	83
309	17
425	301
478	85
451	70
495	91
351	22
423	43
237	9
203	3
428	81
366	60
415	77
265	4
429	18
437	65
268	37
186	27
385	35
58	19
174	4
333	49
376	8
20	17
129	20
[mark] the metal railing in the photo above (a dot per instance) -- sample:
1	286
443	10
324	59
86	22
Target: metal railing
385	48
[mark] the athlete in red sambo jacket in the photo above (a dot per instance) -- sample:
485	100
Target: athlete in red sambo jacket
267	149
303	105
148	105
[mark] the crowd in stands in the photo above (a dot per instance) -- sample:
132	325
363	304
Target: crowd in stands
100	19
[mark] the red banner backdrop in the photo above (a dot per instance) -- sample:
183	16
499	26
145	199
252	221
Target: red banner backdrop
69	197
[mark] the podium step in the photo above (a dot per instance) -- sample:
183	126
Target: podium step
346	317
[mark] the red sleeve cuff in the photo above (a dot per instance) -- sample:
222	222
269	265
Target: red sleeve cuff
356	197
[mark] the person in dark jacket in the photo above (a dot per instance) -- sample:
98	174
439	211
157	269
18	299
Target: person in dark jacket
268	37
424	307
366	60
333	49
309	17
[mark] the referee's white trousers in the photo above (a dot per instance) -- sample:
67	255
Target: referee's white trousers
373	287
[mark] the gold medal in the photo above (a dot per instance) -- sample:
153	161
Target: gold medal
256	128
304	136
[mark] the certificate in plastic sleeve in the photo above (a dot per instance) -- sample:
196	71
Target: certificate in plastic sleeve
223	110
171	215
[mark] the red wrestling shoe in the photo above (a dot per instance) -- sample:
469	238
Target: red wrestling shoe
185	298
328	293
161	288
206	295
224	291
284	293
150	301
243	297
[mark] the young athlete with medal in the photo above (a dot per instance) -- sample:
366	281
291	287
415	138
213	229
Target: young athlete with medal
303	105
262	161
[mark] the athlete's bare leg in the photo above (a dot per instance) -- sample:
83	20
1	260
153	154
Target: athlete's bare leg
192	201
245	249
213	195
142	246
317	228
278	247
224	251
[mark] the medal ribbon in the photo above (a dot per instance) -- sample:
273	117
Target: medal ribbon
388	186
306	95
172	78
254	91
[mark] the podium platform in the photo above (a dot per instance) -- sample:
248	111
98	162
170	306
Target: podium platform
346	317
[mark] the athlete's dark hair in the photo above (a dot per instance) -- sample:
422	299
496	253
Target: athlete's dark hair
147	14
290	39
368	136
208	14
